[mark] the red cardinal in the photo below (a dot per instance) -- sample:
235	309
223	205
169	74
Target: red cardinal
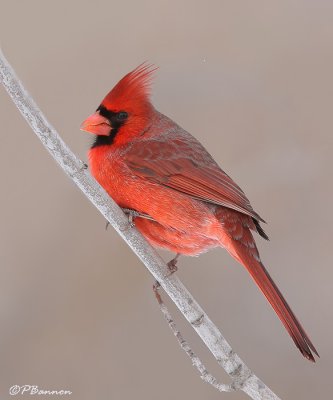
147	163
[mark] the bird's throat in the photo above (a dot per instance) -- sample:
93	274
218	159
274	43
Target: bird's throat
102	140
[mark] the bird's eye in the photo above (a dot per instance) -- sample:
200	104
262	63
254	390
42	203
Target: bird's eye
122	115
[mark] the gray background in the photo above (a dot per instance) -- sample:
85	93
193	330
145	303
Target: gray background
253	81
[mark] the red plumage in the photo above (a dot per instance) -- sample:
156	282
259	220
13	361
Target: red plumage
132	90
147	163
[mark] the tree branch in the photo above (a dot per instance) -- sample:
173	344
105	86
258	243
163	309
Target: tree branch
77	171
196	362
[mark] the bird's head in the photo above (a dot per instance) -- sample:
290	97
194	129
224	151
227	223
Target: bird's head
126	110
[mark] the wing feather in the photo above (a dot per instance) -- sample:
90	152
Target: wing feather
181	169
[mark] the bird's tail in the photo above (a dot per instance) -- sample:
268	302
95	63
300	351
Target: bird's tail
246	253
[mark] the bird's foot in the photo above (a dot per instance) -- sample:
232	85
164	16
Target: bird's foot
172	265
132	214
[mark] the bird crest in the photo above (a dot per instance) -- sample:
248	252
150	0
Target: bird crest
133	88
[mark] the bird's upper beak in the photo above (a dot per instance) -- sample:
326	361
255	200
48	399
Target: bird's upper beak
96	124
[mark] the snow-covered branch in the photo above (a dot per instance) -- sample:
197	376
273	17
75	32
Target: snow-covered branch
240	374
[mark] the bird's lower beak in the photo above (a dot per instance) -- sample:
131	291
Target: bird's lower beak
96	124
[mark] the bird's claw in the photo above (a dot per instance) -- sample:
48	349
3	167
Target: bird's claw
172	265
132	214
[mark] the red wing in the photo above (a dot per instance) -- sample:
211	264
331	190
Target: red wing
178	166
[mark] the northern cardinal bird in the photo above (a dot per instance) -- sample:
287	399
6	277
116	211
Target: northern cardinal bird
148	163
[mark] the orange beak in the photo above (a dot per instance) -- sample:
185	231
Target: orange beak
96	124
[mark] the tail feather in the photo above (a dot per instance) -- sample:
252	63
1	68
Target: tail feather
248	256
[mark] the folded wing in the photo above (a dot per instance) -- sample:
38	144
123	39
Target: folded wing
174	164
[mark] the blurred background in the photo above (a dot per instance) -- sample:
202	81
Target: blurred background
253	82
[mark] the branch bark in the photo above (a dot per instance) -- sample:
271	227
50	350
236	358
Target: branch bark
76	170
196	362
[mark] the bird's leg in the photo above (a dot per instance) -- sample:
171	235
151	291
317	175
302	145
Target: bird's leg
172	265
132	214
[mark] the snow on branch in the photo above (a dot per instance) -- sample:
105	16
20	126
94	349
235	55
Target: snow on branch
241	376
